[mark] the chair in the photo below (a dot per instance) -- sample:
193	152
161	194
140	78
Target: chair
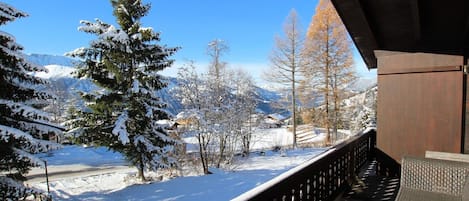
430	179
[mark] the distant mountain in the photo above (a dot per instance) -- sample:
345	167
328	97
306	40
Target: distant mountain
44	60
359	110
56	71
362	84
66	87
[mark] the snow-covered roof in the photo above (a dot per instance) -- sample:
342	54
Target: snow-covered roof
277	116
165	123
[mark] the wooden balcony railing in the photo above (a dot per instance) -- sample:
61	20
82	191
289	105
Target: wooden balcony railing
322	178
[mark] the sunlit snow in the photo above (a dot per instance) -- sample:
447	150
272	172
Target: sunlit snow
109	178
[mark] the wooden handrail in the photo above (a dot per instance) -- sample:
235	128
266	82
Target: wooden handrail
322	177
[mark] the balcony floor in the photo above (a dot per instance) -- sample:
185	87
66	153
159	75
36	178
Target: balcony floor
370	186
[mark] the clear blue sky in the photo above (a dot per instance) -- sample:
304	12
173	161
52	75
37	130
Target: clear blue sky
248	27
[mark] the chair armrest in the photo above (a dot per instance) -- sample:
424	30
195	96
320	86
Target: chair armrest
465	191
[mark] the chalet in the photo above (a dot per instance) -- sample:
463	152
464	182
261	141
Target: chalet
420	49
274	121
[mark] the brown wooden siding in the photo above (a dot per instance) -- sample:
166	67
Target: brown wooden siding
466	127
419	110
399	62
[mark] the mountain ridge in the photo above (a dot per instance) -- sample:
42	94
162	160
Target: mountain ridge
66	86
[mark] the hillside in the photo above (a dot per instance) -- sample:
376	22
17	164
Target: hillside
66	87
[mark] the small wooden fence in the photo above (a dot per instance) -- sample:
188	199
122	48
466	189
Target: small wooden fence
321	178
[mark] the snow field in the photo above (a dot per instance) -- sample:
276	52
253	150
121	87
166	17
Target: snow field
225	184
222	185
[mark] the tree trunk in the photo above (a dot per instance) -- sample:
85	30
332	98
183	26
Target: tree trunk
326	97
336	107
222	150
327	77
294	109
140	168
202	153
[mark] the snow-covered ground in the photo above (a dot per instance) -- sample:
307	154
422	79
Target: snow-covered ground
106	182
262	139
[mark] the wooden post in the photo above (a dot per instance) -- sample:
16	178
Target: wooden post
47	178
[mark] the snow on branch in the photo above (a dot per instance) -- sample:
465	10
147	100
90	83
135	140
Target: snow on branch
9	52
108	35
160	159
6	132
30	82
18	191
32	144
27	111
140	139
115	35
122	9
7	36
44	128
78	52
135	86
22	155
9	13
149	110
163	137
120	128
89	27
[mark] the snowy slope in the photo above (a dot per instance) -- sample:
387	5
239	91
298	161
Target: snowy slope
44	59
224	184
56	72
362	84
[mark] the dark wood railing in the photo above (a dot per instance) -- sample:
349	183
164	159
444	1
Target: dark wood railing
321	178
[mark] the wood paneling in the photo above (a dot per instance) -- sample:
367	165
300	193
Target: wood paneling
466	118
398	62
419	112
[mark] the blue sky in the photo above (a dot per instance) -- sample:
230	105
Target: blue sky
248	27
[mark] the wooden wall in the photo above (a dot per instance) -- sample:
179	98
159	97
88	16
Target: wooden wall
420	103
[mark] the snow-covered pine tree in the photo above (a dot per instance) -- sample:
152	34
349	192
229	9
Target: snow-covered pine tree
22	123
125	62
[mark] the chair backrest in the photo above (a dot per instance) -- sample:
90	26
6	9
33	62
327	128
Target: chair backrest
434	175
447	156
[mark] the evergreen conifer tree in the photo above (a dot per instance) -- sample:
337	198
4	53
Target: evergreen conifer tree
22	123
125	62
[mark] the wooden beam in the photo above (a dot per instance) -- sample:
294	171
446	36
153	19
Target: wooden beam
466	35
415	12
354	18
